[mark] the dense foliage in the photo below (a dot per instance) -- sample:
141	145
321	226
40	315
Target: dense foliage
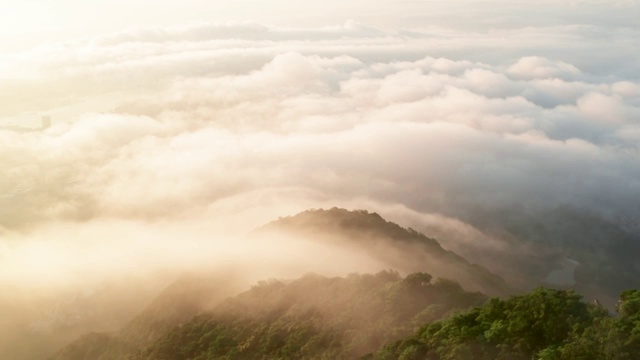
311	317
314	317
544	324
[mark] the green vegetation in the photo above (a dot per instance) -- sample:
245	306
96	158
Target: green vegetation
95	346
314	317
544	324
317	317
311	317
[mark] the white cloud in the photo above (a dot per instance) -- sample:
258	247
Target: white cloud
603	107
535	67
236	124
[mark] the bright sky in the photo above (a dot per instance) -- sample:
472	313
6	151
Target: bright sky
27	23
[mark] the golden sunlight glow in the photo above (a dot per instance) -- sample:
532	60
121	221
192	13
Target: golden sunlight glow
145	142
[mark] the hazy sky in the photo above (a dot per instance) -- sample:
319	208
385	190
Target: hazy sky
27	23
232	113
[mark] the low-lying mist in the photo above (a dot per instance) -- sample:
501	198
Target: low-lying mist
65	279
62	280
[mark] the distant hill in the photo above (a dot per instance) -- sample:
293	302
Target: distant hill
540	243
405	250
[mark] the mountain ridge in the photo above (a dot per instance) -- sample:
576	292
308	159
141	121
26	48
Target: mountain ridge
404	249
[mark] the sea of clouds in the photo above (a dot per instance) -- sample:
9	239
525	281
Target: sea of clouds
235	124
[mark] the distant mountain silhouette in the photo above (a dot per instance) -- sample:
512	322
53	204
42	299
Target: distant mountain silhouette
539	243
405	250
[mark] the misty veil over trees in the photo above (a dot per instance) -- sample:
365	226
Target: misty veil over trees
370	316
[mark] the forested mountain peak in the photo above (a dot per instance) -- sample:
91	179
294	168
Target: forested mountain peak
404	249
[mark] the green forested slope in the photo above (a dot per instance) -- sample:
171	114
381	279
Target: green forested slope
346	318
311	317
544	324
314	317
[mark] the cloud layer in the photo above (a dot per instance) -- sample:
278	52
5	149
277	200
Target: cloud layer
239	123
